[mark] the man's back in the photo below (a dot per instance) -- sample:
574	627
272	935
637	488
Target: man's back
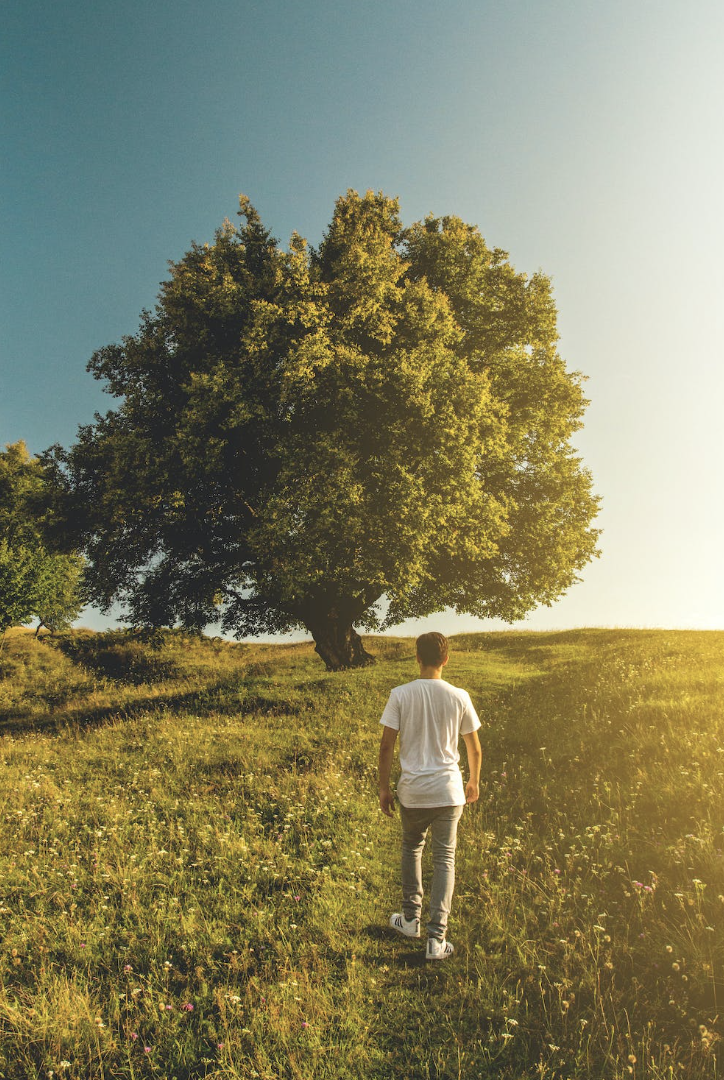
430	715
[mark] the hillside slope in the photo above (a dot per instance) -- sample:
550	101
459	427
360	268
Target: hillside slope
196	880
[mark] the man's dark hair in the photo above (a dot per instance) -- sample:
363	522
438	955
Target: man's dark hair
432	649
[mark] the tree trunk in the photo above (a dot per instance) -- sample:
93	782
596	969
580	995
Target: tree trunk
337	641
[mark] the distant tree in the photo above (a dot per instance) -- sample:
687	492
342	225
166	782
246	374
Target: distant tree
18	577
58	599
34	582
334	438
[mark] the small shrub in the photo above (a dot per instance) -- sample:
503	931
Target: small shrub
127	656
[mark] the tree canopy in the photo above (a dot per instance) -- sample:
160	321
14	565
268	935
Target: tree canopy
34	582
334	437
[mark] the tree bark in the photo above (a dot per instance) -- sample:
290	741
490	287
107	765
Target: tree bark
337	642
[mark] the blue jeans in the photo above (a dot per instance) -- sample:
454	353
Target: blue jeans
443	822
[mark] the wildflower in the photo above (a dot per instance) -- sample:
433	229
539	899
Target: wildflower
134	1035
305	1024
188	1007
297	898
147	1049
669	948
632	1058
127	967
675	967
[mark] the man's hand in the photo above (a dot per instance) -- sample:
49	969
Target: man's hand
472	791
387	802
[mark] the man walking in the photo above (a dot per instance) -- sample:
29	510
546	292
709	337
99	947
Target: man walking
430	716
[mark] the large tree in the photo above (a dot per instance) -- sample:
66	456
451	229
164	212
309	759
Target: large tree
334	437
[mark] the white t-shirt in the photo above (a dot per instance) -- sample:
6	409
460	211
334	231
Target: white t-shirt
430	716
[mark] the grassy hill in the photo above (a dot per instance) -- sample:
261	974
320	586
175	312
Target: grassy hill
195	879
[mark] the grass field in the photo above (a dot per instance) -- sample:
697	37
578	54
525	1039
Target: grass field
195	879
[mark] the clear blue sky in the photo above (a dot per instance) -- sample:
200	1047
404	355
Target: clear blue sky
583	137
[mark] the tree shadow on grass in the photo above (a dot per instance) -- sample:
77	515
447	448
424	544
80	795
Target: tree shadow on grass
221	697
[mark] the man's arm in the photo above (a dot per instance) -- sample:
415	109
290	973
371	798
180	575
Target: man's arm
387	752
475	758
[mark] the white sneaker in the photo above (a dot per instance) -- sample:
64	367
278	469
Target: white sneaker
438	950
399	923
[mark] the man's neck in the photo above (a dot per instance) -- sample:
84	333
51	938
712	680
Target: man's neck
430	672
